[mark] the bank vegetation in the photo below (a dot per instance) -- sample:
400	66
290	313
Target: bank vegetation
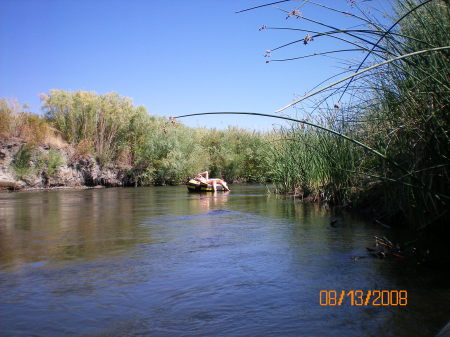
152	150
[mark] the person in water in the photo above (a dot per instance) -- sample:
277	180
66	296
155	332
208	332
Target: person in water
203	177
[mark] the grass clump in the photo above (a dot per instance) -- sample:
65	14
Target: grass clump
21	163
312	164
55	159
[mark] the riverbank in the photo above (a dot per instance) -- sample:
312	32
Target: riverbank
49	166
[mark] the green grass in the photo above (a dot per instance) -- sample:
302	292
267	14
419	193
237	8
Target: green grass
400	99
54	160
21	162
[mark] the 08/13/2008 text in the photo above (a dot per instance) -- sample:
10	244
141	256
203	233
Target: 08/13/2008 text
364	298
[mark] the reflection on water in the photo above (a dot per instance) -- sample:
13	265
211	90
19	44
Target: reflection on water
163	262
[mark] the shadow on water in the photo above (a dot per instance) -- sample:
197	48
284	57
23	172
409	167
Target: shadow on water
164	262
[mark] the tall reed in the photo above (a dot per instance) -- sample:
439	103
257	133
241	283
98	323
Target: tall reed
395	103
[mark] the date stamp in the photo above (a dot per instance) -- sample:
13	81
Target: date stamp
364	297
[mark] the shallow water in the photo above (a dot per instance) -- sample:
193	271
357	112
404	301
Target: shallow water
162	262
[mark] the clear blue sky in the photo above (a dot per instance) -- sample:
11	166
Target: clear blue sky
174	57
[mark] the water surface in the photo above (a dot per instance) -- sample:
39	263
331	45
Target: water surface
162	262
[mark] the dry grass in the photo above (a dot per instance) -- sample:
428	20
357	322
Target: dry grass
54	139
124	158
84	148
15	122
6	118
32	128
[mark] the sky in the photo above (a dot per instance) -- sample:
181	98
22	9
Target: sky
174	57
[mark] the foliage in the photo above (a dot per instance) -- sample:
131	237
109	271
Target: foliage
21	162
152	149
413	107
313	163
101	119
54	160
32	128
84	148
396	115
16	121
237	155
6	118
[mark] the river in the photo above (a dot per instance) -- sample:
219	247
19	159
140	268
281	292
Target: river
160	261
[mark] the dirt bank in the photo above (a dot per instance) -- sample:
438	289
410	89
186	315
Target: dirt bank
49	166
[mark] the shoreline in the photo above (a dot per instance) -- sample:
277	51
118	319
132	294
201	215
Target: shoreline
51	188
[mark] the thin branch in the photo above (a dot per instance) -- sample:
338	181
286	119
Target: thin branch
382	37
265	5
361	72
297	121
315	54
329	34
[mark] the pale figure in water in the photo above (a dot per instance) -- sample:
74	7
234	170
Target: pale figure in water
203	177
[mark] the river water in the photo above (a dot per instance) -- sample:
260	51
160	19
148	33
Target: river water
162	262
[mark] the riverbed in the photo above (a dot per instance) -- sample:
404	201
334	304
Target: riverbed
160	261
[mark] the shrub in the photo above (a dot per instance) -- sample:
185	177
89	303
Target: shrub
101	119
15	122
32	128
54	160
21	162
84	148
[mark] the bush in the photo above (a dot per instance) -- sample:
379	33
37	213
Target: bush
101	119
21	162
84	149
15	122
54	160
32	128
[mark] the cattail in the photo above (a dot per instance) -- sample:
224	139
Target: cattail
307	39
295	13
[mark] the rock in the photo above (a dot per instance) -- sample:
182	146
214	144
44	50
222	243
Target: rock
75	172
66	176
33	181
10	185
